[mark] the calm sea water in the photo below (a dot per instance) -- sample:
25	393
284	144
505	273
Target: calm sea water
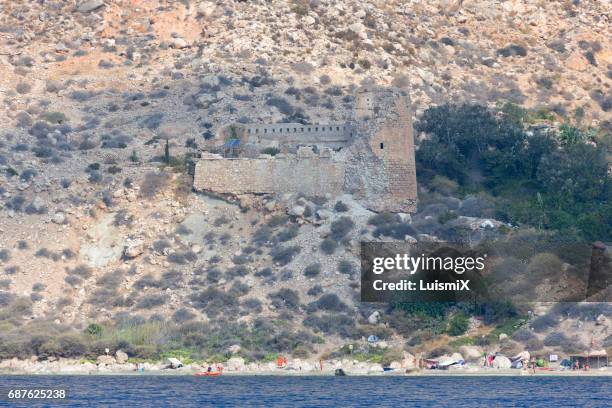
166	391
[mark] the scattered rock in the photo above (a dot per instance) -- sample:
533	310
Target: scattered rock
178	43
374	318
309	20
297	211
133	249
89	5
59	218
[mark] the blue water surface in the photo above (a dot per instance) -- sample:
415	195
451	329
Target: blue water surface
234	391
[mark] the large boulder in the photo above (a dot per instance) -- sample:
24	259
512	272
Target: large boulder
409	361
105	360
374	318
502	362
121	357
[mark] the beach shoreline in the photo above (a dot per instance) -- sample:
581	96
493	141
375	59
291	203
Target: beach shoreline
296	373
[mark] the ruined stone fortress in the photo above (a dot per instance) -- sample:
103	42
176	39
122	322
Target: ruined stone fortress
371	156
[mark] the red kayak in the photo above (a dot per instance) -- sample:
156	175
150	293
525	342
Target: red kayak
208	374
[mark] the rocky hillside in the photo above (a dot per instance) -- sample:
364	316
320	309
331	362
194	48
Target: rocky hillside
96	225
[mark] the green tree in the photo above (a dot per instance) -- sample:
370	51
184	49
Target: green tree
167	152
94	329
570	135
578	173
458	325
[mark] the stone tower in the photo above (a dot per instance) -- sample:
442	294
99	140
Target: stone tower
382	165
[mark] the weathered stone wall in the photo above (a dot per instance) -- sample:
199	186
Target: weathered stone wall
304	173
324	135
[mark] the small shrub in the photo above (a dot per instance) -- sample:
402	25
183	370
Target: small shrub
182	258
316	290
73	280
239	289
341	207
555	339
383	218
329	246
534	344
285	298
272	151
111	280
160	245
11	270
213	275
23	88
312	270
147	281
38	287
72	346
238	271
253	305
281	104
345	267
458	325
339	324
284	255
82	271
5	255
151	301
277	221
241	259
262	235
512	50
264	273
330	302
43	253
543	323
221	221
183	315
523	335
286	274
